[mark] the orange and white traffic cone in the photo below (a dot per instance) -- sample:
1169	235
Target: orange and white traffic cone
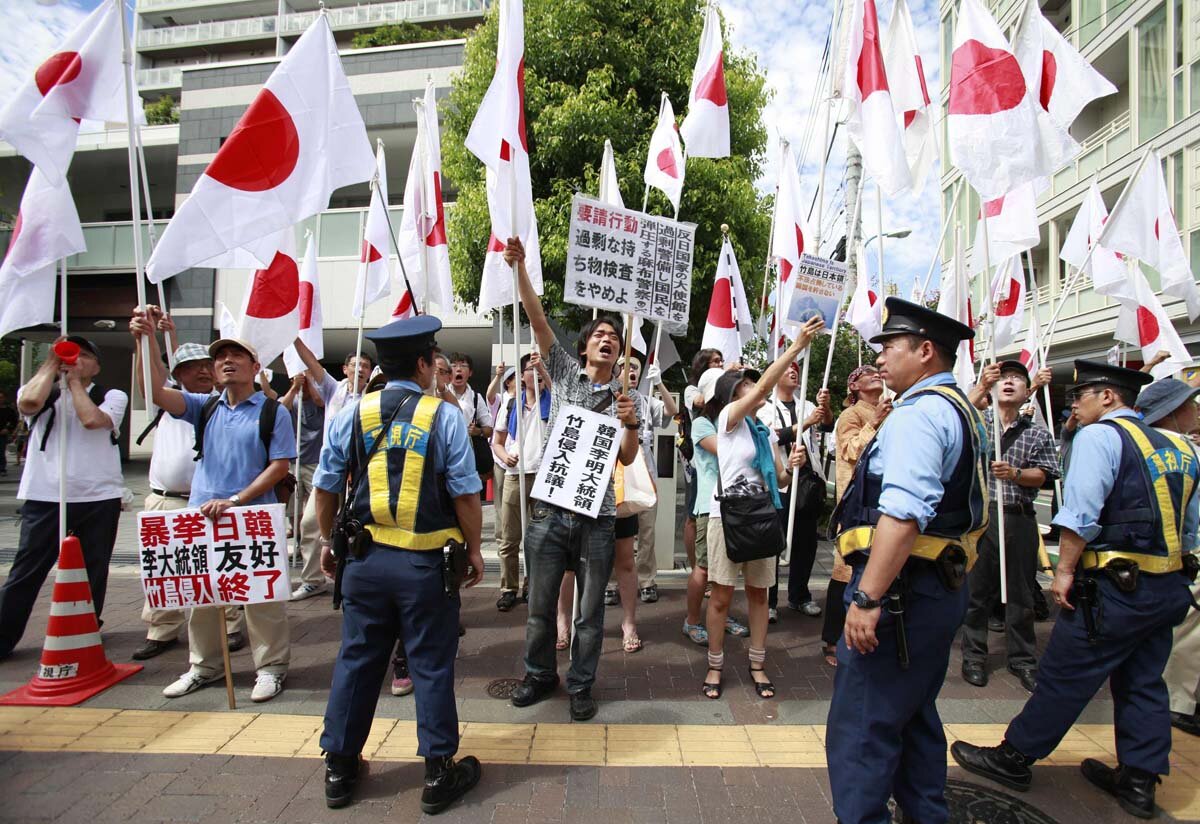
74	666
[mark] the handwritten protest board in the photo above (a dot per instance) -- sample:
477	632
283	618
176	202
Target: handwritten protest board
187	560
578	460
629	262
817	290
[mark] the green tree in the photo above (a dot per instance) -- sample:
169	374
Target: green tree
596	69
849	352
162	111
399	34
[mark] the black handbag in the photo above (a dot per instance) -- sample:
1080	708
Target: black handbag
484	459
750	524
809	494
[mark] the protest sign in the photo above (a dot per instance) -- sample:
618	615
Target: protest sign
629	262
578	460
817	290
188	560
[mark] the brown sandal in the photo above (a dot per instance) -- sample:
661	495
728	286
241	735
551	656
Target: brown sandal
830	653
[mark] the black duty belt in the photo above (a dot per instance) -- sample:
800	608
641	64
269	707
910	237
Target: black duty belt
1018	509
162	493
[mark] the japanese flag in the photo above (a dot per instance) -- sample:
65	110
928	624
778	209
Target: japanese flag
1144	322
1012	227
610	188
301	138
1008	300
790	239
665	160
910	94
375	255
705	130
865	312
729	325
271	308
312	324
498	138
999	134
863	82
1031	350
423	228
1106	269
83	79
1144	228
955	302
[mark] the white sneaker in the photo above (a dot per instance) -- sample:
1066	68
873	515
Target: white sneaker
309	590
190	681
266	687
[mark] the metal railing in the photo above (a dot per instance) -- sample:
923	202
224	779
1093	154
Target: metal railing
207	32
1101	148
376	14
168	77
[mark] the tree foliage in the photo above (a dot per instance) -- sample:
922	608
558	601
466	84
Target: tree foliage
162	111
596	69
849	352
399	34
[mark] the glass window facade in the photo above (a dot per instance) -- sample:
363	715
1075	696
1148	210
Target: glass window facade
1154	71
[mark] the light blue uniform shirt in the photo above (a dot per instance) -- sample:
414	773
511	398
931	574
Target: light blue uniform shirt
1091	476
233	452
452	455
915	452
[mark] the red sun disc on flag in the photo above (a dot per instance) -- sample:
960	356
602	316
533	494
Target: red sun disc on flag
1147	324
262	150
1049	74
871	75
306	304
18	224
785	270
369	253
1026	358
404	307
921	77
521	108
56	70
437	235
984	80
720	311
799	239
993	208
666	163
276	289
1008	306
495	245
712	86
872	298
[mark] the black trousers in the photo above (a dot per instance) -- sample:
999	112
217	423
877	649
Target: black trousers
835	613
804	553
984	583
94	523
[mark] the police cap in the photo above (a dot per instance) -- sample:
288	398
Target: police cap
403	336
902	317
1089	372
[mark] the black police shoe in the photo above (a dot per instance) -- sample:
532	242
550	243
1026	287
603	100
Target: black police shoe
975	673
532	690
342	773
1002	764
1133	788
447	781
583	706
1026	675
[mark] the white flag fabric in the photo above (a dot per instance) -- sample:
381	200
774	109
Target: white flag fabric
301	138
728	325
865	312
664	360
27	301
1113	355
227	324
271	308
610	187
1062	81
497	137
1031	350
955	302
863	83
1106	269
423	239
910	94
1008	301
312	322
665	161
375	256
83	79
705	129
999	134
790	239
1145	324
1012	227
1144	228
639	340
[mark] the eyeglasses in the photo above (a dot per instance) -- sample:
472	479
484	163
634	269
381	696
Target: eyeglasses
1079	394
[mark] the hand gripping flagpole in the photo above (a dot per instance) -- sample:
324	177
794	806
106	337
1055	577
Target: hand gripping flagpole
987	268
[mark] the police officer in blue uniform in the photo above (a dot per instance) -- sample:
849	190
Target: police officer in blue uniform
414	501
1129	515
907	524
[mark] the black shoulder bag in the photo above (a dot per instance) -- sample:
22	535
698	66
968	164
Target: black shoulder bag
750	524
480	446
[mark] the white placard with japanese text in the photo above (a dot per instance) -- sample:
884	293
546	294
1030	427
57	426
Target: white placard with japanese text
817	291
627	261
186	560
578	460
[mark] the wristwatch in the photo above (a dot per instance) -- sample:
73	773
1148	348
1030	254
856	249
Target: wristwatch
634	425
864	601
235	499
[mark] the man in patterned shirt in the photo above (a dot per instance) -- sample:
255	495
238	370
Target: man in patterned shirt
1027	461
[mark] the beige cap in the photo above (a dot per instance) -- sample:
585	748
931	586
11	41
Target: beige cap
217	345
708	383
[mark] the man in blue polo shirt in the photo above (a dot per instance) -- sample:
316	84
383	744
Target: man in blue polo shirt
234	469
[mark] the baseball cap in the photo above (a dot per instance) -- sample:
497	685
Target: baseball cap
217	345
708	383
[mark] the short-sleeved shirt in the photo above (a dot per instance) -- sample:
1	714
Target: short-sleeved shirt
312	430
336	395
172	463
705	463
233	452
1033	448
452	455
736	449
474	408
572	387
93	460
532	433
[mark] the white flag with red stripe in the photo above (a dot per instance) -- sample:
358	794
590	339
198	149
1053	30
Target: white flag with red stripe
312	322
1106	269
863	82
83	79
1008	300
423	240
910	94
728	325
790	239
1012	227
375	255
1060	79
665	160
999	134
271	308
1143	322
301	138
865	312
705	130
1144	228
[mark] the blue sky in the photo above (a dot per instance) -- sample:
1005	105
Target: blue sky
787	37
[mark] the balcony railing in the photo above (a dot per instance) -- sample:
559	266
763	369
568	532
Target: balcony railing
1107	144
378	14
207	32
170	77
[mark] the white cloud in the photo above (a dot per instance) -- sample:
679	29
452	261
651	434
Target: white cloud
31	32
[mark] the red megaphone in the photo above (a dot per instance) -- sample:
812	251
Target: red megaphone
67	352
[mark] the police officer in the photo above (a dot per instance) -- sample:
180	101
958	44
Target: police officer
1129	512
907	524
412	494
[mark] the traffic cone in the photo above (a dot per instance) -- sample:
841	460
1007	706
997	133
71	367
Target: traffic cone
74	666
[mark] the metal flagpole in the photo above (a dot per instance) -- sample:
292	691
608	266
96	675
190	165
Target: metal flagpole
362	291
987	268
519	386
762	303
150	230
64	398
1035	322
296	510
837	318
937	253
135	203
879	231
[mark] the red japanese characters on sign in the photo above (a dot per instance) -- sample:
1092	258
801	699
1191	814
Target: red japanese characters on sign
187	560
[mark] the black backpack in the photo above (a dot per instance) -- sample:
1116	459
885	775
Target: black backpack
96	393
266	428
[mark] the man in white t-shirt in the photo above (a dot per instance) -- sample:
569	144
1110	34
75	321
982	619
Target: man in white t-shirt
92	416
474	407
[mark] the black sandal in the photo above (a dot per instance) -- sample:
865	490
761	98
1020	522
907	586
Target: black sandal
710	690
762	687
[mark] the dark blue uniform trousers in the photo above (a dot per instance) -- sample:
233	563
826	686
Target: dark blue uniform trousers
386	594
884	735
1133	647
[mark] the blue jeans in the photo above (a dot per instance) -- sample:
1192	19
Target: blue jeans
559	540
